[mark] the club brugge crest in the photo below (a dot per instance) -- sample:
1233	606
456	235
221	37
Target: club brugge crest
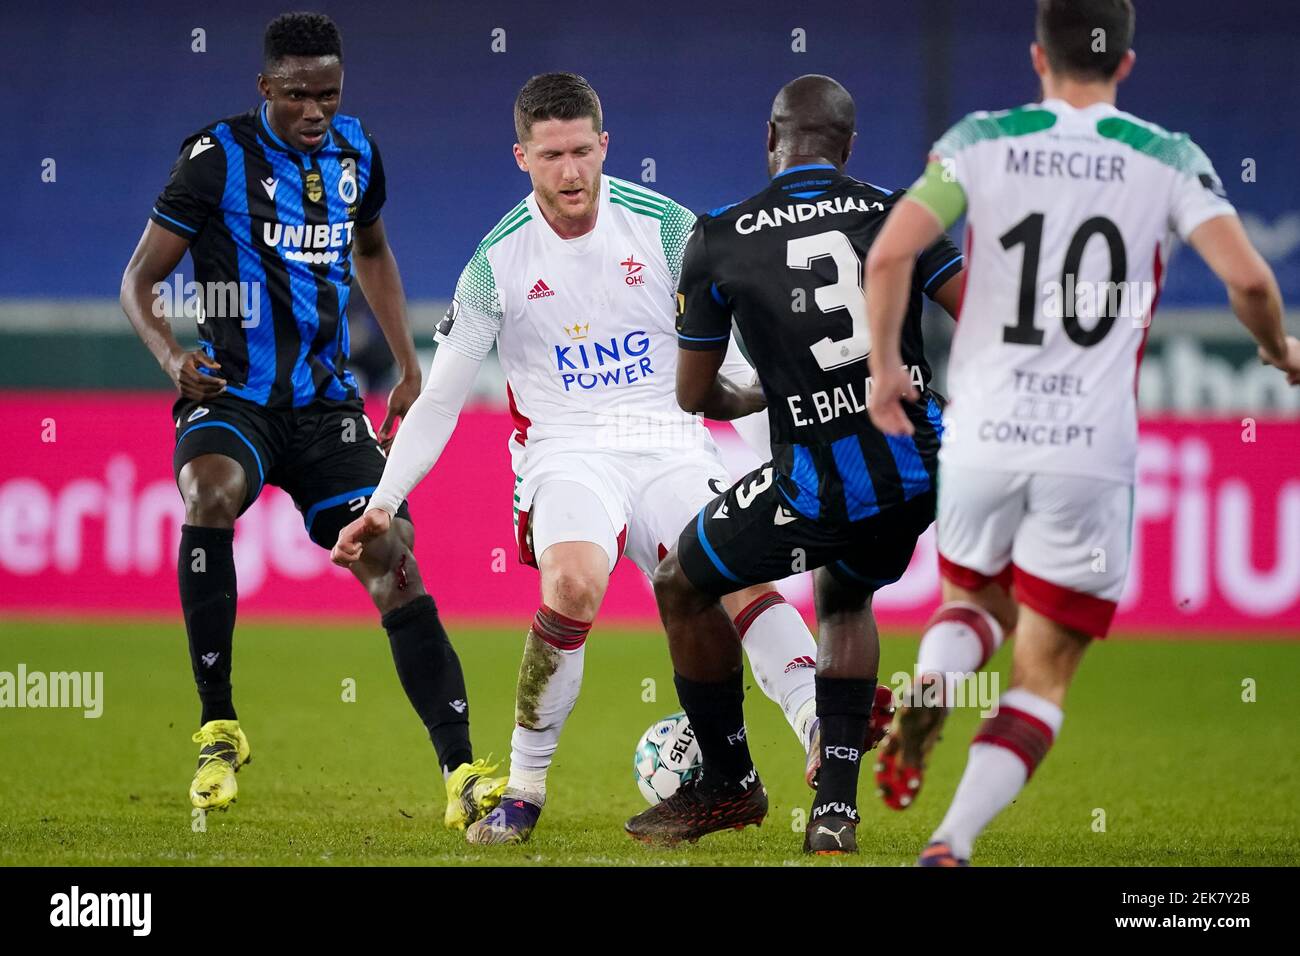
348	181
314	189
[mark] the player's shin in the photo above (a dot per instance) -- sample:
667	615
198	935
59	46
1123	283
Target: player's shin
783	656
709	675
1006	750
716	710
550	676
205	573
431	675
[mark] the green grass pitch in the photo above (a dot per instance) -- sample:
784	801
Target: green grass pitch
1157	737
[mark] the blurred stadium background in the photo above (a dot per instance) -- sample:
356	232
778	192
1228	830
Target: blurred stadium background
99	103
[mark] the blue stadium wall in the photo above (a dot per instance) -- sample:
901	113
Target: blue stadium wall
109	90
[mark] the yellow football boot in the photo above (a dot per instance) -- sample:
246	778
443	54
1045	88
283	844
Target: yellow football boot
224	749
471	793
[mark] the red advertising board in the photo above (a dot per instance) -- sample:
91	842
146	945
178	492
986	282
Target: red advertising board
90	518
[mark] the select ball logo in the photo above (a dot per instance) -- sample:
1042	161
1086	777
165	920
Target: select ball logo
666	756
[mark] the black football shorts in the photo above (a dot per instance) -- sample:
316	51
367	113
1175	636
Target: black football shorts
325	455
750	534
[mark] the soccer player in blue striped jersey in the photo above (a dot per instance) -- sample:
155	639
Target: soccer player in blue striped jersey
276	207
837	496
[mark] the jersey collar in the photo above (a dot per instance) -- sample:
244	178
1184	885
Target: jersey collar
1060	106
801	169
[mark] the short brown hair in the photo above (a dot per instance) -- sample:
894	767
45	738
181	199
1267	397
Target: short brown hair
1069	31
562	96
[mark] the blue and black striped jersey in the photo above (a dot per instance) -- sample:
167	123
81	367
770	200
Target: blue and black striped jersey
270	231
788	265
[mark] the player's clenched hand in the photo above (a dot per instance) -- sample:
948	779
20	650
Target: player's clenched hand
891	385
1288	363
352	539
400	400
183	367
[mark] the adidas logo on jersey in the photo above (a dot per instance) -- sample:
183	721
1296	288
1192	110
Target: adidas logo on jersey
540	290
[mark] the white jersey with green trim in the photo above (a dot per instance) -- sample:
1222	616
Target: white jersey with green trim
584	327
1071	214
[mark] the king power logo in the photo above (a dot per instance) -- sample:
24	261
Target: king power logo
602	363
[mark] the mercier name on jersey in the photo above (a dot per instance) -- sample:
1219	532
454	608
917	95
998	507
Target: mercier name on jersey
787	264
276	224
583	327
1070	215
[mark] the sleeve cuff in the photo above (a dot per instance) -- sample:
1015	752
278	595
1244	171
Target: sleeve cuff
384	501
173	224
945	272
698	343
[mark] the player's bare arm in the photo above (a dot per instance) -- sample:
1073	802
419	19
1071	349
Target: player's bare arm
703	390
1252	290
376	270
155	256
911	228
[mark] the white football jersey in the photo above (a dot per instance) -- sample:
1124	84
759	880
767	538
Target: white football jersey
584	327
1071	214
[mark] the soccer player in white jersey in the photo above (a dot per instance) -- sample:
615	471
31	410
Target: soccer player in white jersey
1071	209
576	286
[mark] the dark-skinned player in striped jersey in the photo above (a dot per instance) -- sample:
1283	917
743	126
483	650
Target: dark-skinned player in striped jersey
278	207
838	496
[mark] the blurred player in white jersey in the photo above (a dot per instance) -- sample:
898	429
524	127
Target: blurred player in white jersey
1071	206
576	286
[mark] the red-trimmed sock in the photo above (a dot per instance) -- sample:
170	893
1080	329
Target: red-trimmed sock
959	639
550	677
783	656
1006	750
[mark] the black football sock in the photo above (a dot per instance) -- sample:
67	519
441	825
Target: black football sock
205	572
717	714
430	673
843	707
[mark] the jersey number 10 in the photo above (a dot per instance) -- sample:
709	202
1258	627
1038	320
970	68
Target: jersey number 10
1029	233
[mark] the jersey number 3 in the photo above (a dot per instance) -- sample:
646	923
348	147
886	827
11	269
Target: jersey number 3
845	293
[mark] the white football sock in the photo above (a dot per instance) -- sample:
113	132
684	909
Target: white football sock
1006	750
549	680
959	640
783	657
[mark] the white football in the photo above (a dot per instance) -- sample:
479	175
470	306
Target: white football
666	756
